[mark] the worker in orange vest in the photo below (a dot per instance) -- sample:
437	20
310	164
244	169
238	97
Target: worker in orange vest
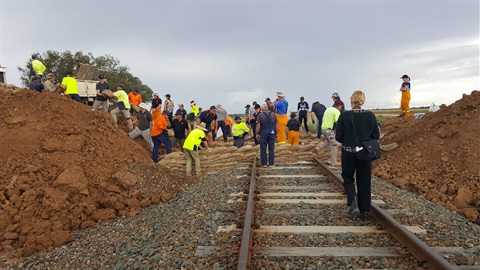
135	99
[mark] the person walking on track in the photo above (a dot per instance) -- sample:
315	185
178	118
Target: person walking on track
354	169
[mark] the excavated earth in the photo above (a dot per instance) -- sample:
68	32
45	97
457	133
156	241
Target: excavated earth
66	167
438	155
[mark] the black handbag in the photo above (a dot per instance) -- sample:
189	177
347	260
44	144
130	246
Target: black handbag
371	147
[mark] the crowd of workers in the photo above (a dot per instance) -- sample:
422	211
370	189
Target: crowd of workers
267	124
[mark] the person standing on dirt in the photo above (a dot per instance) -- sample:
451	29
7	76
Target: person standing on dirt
266	133
240	130
169	106
70	85
50	85
253	123
181	110
37	66
336	99
143	123
229	125
318	109
281	106
191	147
405	103
180	130
352	168
208	117
156	106
221	123
121	98
159	135
294	130
135	99
270	105
329	121
36	84
193	115
302	109
247	114
101	99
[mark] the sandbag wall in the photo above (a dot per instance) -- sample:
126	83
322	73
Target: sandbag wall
226	155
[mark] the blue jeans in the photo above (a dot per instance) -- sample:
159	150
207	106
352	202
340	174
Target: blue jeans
75	97
157	142
267	139
319	128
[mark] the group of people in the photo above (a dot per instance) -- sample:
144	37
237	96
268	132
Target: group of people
267	124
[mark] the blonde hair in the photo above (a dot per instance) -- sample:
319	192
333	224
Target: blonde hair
358	98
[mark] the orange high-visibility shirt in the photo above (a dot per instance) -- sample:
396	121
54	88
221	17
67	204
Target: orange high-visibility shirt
229	121
134	98
159	126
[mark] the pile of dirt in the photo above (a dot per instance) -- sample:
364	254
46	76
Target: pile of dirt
65	167
438	155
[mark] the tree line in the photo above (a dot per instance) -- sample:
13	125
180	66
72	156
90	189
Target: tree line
60	63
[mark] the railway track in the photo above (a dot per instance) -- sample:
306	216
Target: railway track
295	218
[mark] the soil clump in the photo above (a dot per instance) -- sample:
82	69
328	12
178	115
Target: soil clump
66	167
438	155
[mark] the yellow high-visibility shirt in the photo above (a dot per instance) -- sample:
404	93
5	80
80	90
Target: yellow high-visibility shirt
70	85
194	110
38	67
239	129
330	117
122	96
193	139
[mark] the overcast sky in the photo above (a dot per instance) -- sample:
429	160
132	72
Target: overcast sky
235	52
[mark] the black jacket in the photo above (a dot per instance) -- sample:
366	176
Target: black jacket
366	127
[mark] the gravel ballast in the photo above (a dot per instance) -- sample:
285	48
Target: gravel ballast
169	235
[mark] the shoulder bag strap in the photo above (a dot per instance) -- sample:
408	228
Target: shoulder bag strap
353	124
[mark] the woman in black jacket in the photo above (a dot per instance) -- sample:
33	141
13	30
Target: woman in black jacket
365	128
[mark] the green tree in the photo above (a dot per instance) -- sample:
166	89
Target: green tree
60	63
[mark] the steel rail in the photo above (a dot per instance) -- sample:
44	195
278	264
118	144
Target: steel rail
415	246
245	253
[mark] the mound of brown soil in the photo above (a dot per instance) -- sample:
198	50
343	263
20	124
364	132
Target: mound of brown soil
438	155
65	167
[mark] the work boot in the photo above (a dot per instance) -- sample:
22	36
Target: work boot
353	208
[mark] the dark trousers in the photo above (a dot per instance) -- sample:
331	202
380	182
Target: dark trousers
238	142
303	118
223	126
319	128
229	130
157	142
76	97
257	141
267	140
363	174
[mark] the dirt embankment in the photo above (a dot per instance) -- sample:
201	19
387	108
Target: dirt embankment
438	155
65	167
